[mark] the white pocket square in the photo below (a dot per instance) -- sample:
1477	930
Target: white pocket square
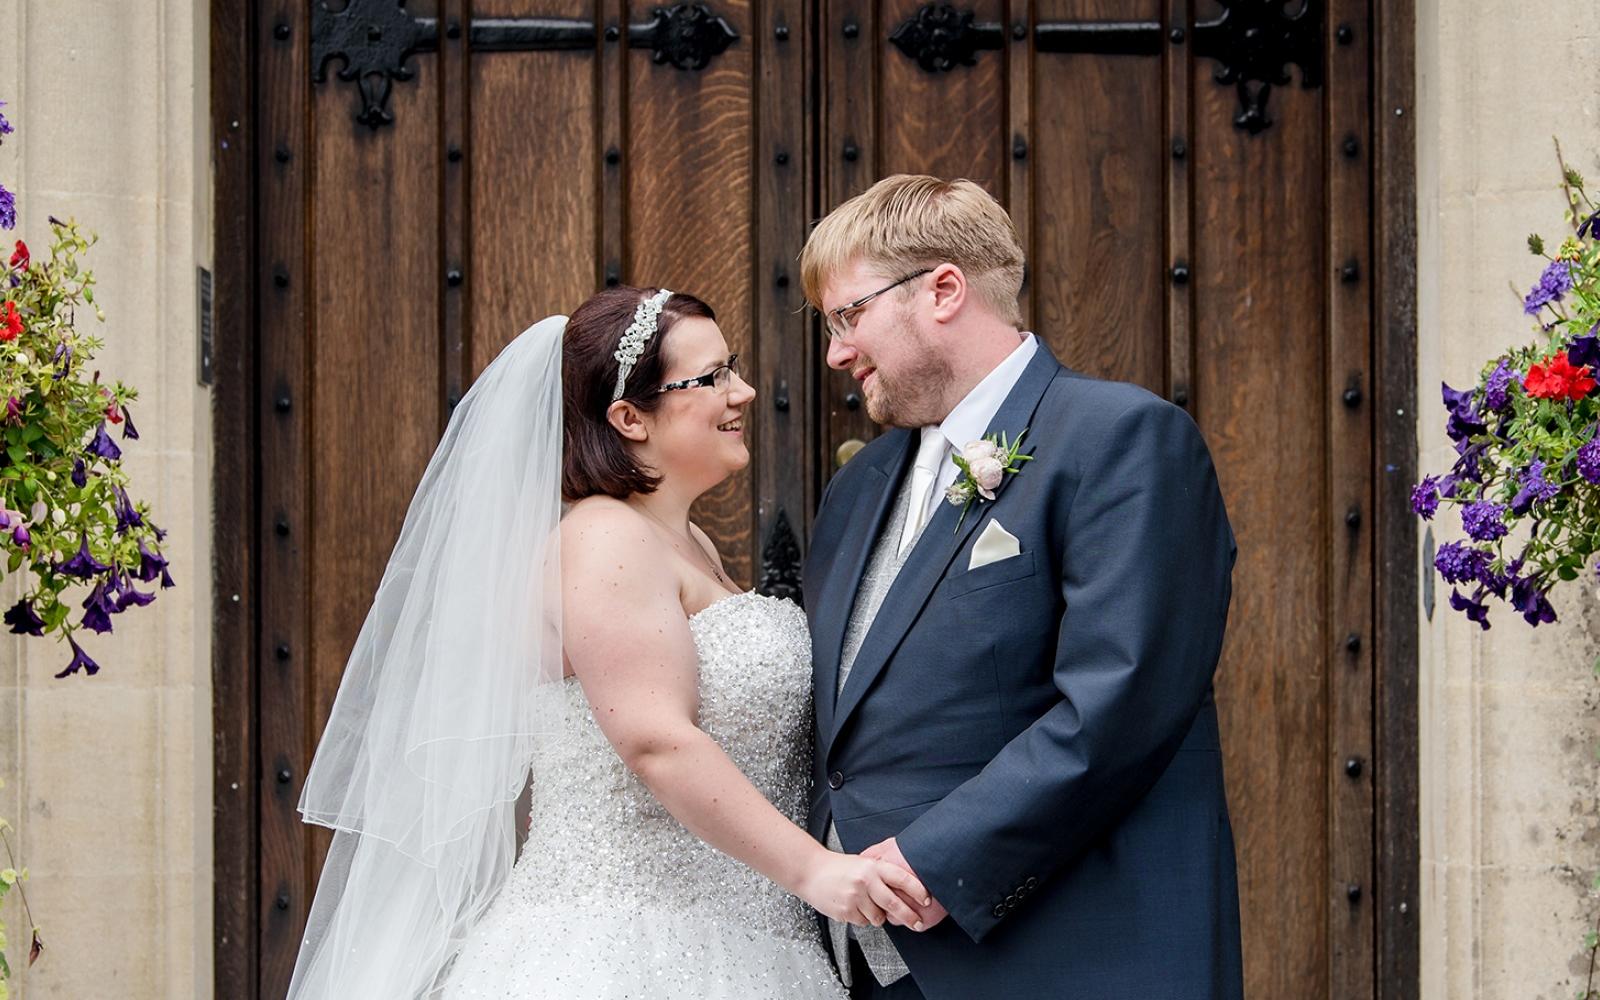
995	544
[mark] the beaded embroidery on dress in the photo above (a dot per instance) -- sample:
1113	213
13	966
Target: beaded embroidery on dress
613	898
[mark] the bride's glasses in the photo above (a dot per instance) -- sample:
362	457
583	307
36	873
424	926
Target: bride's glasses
719	378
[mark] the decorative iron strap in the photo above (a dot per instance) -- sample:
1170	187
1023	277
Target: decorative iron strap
1252	41
374	39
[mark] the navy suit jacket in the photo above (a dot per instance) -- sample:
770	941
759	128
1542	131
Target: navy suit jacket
1039	732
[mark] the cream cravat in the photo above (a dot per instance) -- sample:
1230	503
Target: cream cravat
929	455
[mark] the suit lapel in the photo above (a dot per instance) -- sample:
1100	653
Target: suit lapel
931	555
873	500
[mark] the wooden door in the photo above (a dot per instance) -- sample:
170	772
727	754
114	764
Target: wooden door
1199	225
1192	184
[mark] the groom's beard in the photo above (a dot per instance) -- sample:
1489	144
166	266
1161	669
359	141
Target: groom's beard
913	394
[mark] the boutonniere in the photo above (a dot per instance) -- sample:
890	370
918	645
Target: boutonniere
984	464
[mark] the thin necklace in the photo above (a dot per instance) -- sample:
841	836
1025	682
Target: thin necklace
696	545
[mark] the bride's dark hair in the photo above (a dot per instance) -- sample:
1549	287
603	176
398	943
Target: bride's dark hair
594	458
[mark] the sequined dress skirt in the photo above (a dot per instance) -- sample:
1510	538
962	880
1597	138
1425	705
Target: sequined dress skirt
612	898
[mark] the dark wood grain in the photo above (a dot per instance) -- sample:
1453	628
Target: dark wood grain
1395	468
1100	236
1179	70
787	345
284	521
1347	292
851	47
1259	283
235	825
534	163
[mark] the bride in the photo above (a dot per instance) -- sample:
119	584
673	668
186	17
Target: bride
662	717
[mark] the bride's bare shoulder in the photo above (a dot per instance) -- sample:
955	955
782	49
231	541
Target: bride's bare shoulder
604	528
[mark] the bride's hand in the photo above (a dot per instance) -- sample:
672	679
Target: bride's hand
857	890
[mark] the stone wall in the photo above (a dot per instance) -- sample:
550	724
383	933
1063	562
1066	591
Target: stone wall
107	778
1508	725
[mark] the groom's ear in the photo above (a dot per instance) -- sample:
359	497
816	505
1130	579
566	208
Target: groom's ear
949	291
625	418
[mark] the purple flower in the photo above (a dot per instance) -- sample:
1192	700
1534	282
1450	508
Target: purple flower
127	516
103	446
1475	610
80	473
80	661
1535	488
129	432
21	536
1555	282
130	597
1464	421
1425	498
83	565
1590	226
1589	458
1484	520
1459	562
1531	601
8	209
5	126
98	609
151	565
1497	390
24	620
167	583
1585	350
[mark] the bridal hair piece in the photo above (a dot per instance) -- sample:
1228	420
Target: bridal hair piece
451	696
645	320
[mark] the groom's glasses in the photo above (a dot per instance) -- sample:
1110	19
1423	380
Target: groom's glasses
843	319
719	378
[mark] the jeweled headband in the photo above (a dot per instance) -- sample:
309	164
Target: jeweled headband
638	334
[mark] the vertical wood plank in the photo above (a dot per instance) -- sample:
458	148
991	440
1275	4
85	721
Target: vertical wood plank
1180	219
1393	49
1019	96
1347	159
236	828
284	156
534	167
1259	283
455	243
784	338
1100	178
851	37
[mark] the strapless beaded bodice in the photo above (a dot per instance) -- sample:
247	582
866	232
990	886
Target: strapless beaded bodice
599	839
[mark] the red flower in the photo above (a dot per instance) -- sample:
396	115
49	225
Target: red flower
20	258
1559	380
11	323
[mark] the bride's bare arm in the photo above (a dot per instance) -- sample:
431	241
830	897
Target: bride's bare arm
628	640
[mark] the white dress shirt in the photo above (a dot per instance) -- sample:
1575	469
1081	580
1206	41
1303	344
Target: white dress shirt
970	419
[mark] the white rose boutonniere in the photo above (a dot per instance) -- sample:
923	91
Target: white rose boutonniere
984	464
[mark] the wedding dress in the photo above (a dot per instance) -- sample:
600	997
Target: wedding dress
613	898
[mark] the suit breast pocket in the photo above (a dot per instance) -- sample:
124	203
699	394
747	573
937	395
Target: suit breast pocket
1017	567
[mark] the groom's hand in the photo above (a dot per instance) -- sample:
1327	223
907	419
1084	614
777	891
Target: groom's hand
889	851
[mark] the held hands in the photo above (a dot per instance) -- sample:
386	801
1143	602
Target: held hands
856	889
929	912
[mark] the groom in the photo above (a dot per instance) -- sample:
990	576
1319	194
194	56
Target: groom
1013	695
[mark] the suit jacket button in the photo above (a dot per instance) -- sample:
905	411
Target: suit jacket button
1011	901
999	910
1032	883
836	780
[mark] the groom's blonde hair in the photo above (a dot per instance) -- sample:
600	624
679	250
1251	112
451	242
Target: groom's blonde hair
910	221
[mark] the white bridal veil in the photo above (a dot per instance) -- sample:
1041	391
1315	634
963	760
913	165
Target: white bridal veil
446	696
